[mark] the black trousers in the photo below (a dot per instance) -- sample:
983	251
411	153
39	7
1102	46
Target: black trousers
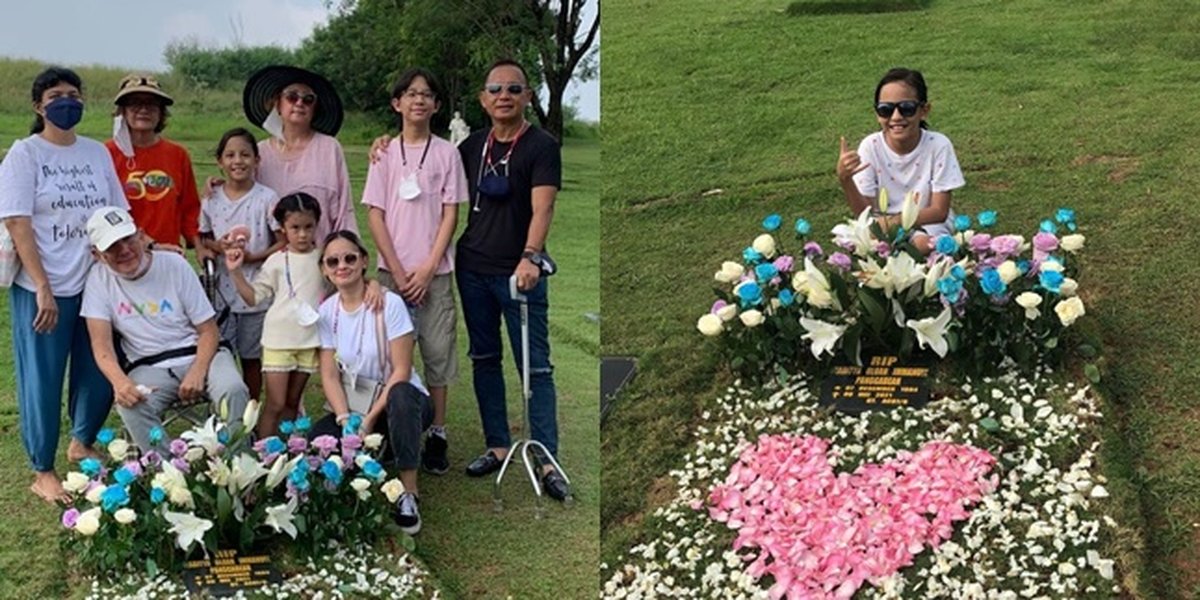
409	413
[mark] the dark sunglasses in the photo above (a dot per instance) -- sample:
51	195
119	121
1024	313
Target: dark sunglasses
332	262
495	88
298	98
907	108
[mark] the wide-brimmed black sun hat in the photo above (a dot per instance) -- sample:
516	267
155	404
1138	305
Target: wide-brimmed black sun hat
264	85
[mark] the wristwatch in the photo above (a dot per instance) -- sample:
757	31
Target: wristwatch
540	260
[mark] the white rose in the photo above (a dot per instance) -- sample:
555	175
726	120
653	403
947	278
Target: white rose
392	489
1069	287
76	482
1068	310
359	484
751	318
710	325
88	522
93	494
1030	301
764	245
730	272
727	312
1073	242
118	449
337	460
1052	265
125	516
194	454
373	441
1008	271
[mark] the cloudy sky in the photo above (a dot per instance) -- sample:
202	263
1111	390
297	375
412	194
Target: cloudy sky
133	33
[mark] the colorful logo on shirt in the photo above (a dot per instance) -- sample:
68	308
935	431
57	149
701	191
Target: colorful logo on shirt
148	185
144	308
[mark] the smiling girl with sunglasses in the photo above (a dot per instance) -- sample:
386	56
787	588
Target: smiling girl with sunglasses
904	156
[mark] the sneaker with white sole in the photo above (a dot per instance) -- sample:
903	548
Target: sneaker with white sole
433	459
406	513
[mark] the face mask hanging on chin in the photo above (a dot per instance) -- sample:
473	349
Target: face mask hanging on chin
65	112
121	136
273	124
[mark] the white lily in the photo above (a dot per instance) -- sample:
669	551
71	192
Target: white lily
908	215
205	436
169	478
218	472
280	469
903	271
857	232
245	472
822	334
279	517
187	527
250	415
936	272
817	287
931	331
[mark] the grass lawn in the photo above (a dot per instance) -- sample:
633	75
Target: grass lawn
472	551
1081	104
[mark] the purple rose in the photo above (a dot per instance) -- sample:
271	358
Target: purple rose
326	444
980	243
840	261
70	517
813	249
1045	242
845	244
718	305
178	447
351	442
315	462
883	249
152	459
1006	245
134	467
181	464
785	263
296	444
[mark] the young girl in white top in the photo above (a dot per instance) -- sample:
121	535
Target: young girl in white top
292	278
903	157
238	215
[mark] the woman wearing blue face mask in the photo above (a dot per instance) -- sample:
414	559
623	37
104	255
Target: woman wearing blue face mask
50	183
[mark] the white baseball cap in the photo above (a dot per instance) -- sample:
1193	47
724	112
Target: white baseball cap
109	225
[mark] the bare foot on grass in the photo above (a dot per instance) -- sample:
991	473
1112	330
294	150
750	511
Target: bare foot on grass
47	486
77	451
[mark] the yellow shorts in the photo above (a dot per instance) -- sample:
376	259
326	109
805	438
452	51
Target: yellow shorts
281	360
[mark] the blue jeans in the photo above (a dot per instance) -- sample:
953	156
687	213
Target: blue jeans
41	365
484	299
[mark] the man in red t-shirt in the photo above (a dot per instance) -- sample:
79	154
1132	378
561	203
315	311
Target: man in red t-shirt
156	173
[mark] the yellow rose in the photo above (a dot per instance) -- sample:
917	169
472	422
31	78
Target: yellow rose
710	325
1068	310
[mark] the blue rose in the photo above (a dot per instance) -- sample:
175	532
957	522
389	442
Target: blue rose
157	495
299	476
223	436
950	288
772	222
1064	216
962	222
114	497
156	435
105	436
303	424
1051	280
802	227
373	469
991	283
750	255
332	472
1023	265
274	445
946	244
765	271
958	272
786	298
1048	226
287	427
987	218
124	476
90	466
749	293
354	422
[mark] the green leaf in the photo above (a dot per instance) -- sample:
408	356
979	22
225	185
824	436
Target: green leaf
850	343
873	307
1086	351
1092	372
408	542
989	424
1051	343
838	285
151	568
224	505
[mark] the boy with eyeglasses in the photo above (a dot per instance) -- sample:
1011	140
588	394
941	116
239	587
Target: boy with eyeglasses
413	192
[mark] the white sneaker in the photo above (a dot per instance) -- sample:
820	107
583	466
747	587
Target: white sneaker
407	516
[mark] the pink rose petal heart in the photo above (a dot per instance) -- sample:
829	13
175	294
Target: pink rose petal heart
821	534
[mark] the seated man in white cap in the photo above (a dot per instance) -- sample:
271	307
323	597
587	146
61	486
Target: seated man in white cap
168	331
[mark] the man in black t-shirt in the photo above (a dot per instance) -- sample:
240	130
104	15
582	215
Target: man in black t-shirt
514	171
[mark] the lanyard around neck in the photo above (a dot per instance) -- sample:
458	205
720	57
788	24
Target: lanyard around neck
424	153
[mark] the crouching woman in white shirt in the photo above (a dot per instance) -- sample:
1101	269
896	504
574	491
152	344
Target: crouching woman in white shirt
351	345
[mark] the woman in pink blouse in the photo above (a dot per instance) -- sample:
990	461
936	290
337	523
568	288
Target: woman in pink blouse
302	112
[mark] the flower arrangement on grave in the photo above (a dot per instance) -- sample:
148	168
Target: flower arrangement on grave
978	294
212	488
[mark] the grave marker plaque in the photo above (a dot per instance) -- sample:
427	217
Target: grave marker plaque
882	383
225	573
